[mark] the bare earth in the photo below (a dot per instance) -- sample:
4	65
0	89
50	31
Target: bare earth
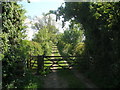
53	81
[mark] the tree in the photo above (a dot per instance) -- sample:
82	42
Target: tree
69	39
46	34
101	24
11	36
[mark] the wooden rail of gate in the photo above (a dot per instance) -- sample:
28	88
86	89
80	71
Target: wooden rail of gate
40	61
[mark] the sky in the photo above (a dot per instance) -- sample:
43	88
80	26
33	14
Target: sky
37	8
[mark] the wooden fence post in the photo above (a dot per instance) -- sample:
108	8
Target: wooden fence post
40	62
27	63
30	63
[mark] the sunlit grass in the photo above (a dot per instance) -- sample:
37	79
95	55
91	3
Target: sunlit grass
34	61
63	63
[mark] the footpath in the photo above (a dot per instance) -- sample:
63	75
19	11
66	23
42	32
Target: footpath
66	78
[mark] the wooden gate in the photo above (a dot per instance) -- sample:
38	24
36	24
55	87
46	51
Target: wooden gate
52	62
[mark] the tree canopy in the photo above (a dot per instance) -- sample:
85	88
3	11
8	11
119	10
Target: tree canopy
12	33
46	33
101	24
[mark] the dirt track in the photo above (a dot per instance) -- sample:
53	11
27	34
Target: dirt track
53	80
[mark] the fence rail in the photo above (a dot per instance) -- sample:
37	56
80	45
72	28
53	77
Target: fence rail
54	56
40	61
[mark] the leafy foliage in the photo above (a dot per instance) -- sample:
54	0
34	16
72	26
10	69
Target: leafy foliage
101	24
69	39
46	34
98	22
15	50
31	48
11	36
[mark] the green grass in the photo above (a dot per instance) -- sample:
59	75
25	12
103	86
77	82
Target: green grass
48	62
35	65
73	82
34	61
63	63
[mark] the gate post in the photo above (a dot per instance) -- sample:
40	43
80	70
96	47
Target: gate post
27	65
40	62
29	62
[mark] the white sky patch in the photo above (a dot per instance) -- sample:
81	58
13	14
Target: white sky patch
58	24
29	30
